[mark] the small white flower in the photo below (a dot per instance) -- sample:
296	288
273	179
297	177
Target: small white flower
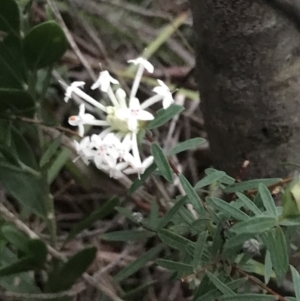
165	92
121	97
122	149
102	150
83	149
141	61
104	81
139	168
70	89
142	64
81	119
133	114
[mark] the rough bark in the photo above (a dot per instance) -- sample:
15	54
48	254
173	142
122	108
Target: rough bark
248	69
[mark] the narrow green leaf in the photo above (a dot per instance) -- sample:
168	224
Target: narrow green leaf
44	45
15	237
248	204
175	266
191	194
248	297
36	257
127	235
133	294
296	282
173	240
222	287
255	225
137	183
22	265
9	17
38	250
58	163
251	184
211	178
225	207
137	264
50	151
162	162
225	180
276	244
163	116
267	199
268	267
17	101
170	214
27	189
199	248
186	145
104	210
64	277
237	240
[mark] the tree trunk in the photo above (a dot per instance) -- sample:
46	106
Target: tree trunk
248	68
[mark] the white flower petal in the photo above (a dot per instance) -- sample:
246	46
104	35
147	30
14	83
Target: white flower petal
132	124
144	115
81	130
86	118
167	101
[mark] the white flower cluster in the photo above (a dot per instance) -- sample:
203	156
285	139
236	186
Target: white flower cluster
115	149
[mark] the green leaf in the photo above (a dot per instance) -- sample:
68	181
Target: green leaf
199	248
162	162
58	163
44	45
186	145
276	244
164	115
38	250
170	214
175	266
137	183
133	294
222	287
104	210
248	204
267	199
12	66
64	277
237	240
248	297
36	257
127	235
210	294
22	265
255	225
23	149
211	178
138	263
268	267
225	207
225	180
15	237
191	194
296	282
173	240
251	184
9	17
18	101
50	151
29	190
